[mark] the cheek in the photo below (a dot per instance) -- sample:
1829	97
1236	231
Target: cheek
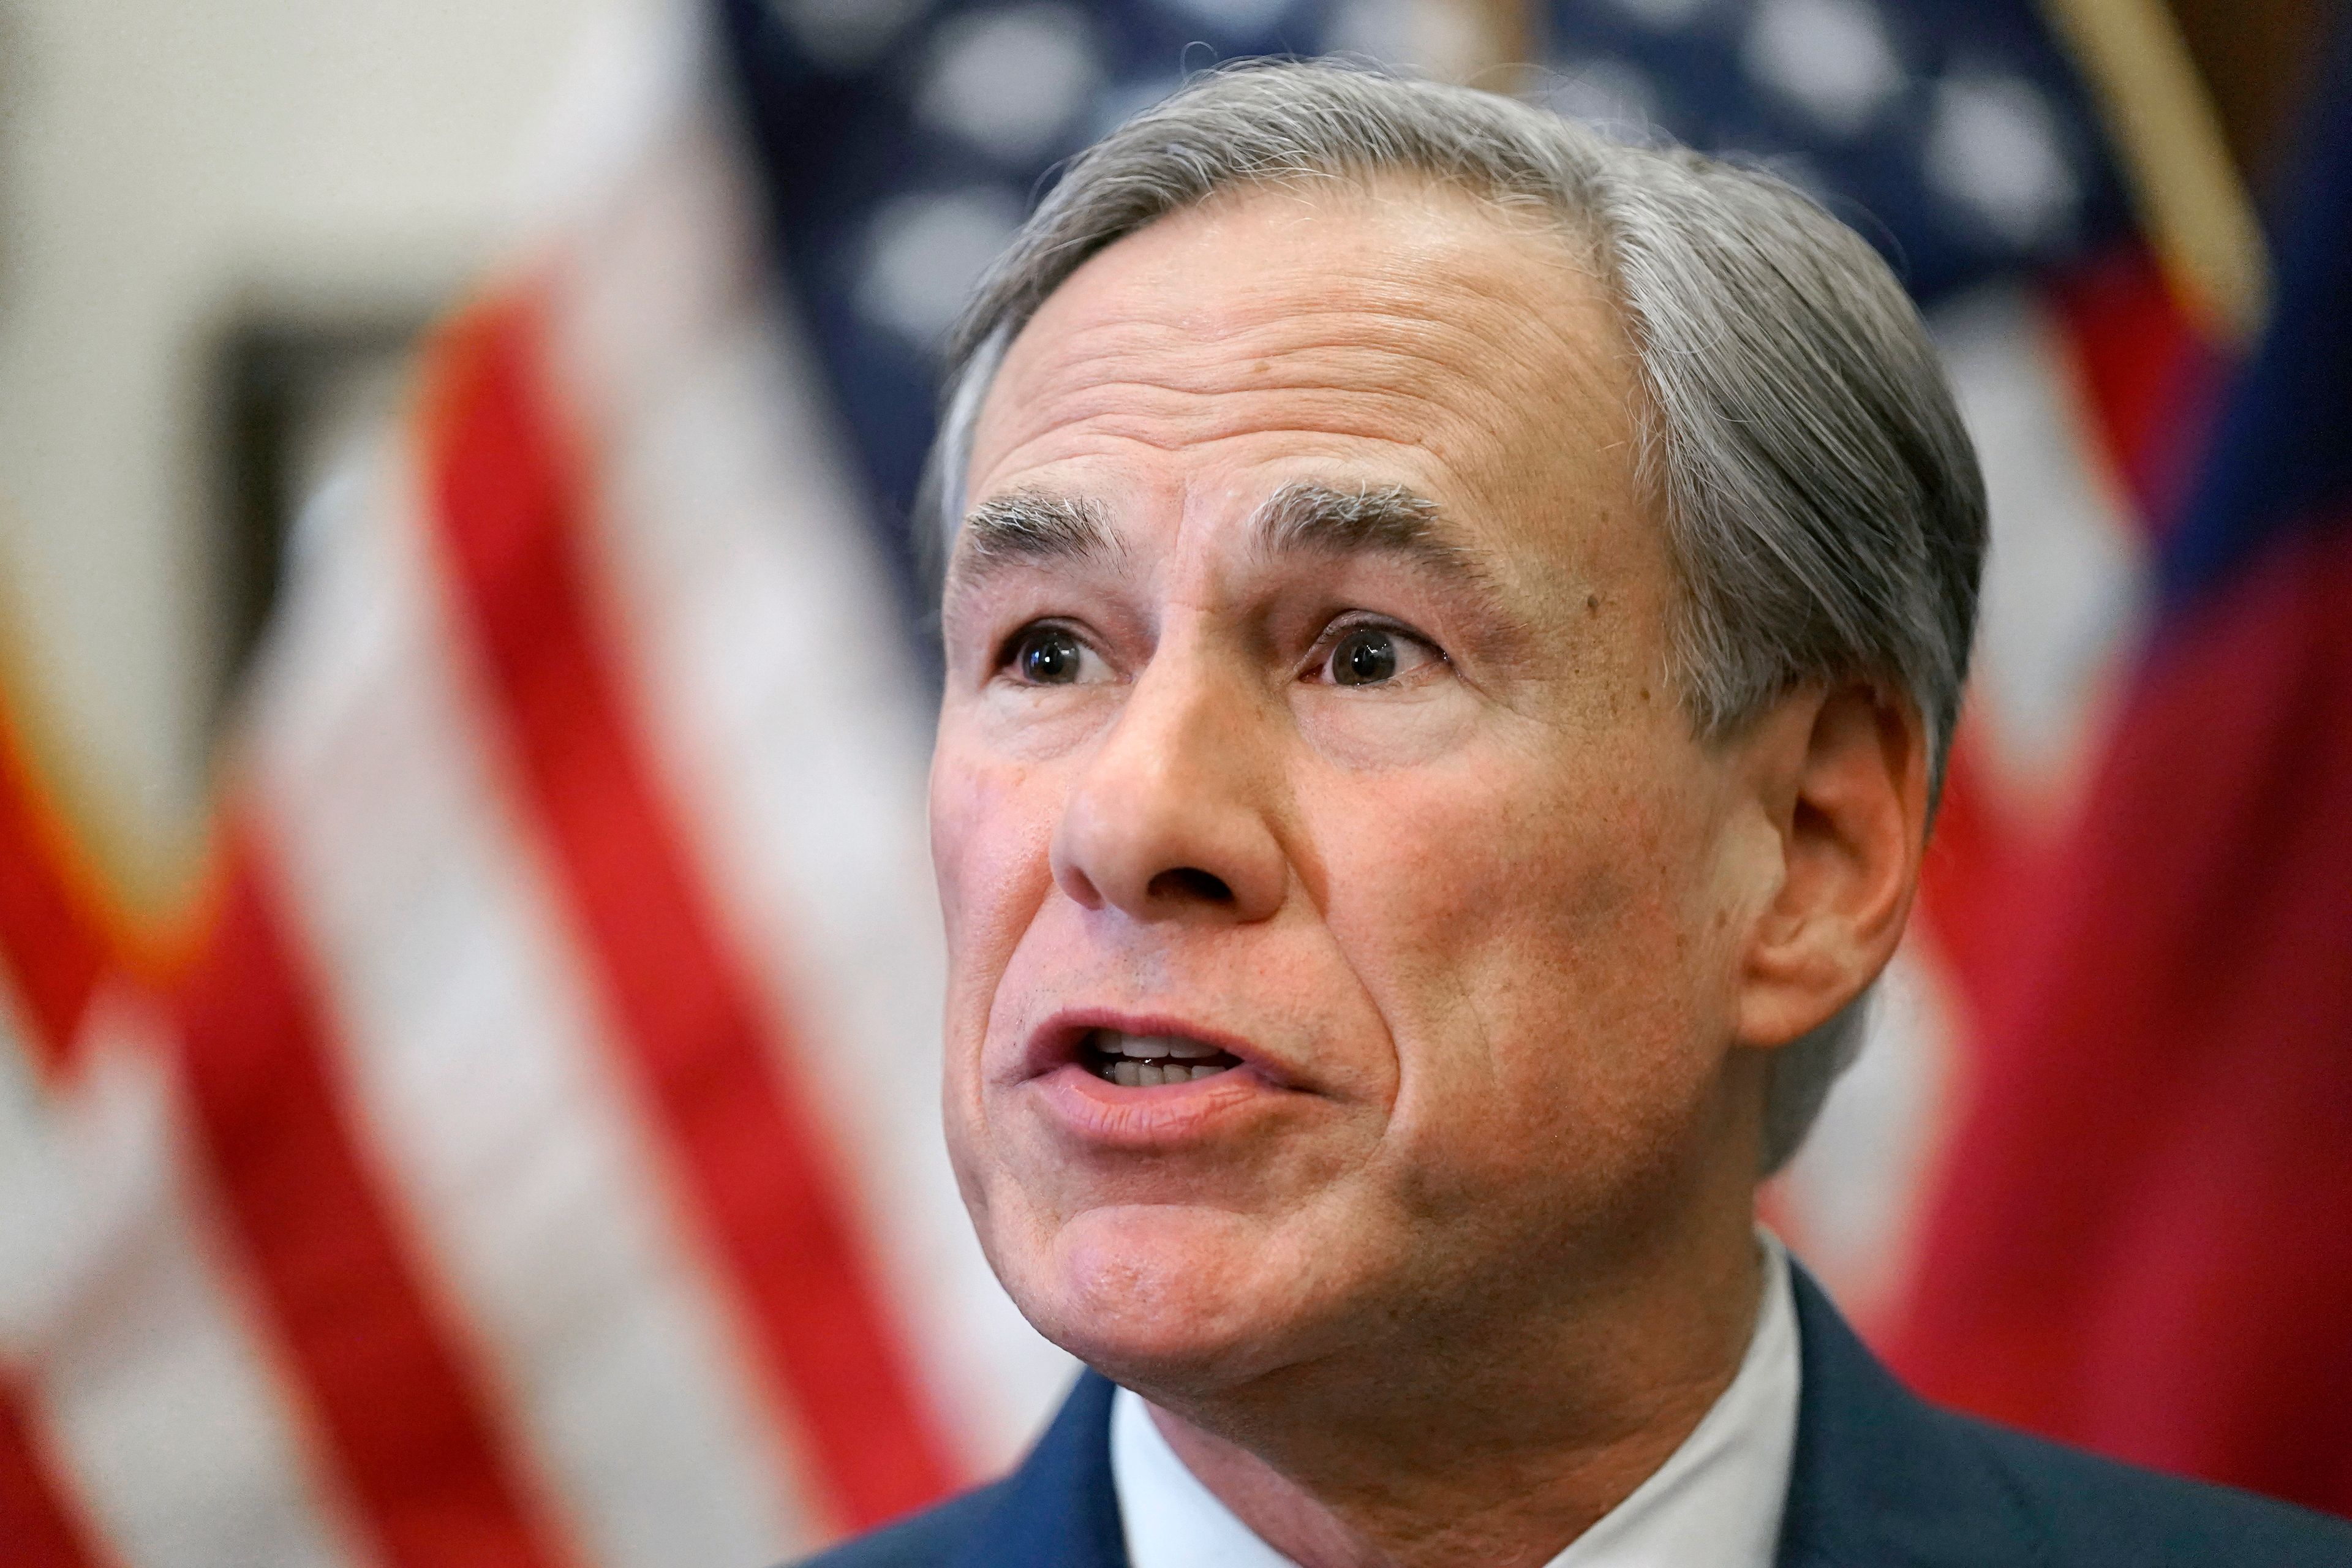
991	826
992	833
1535	946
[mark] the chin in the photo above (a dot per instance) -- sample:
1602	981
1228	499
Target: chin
1160	1296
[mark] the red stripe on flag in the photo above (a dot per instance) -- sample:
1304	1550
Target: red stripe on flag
54	937
35	1526
55	945
406	1421
509	509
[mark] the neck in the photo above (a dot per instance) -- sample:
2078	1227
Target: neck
1503	1452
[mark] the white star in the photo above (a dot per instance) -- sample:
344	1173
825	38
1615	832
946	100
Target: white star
1830	56
1009	81
924	253
1993	151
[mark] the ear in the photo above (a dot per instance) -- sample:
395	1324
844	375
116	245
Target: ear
1842	774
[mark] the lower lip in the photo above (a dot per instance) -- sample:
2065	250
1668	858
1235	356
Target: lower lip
1113	1114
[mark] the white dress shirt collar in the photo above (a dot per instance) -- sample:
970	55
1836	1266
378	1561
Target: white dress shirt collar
1714	1503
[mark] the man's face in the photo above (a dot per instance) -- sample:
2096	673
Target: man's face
1308	718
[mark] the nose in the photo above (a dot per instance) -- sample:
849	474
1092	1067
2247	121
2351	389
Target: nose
1169	817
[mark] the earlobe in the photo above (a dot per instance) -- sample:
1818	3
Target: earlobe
1843	775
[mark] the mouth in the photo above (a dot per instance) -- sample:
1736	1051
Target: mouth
1145	1083
1150	1061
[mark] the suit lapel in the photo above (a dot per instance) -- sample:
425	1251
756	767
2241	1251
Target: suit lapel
1880	1476
1060	1507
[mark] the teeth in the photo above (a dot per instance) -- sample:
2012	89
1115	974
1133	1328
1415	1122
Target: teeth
1151	1047
1154	1075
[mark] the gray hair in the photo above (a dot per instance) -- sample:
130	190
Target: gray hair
1822	501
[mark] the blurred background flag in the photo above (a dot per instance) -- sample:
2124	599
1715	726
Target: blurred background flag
524	1150
2141	1242
471	1187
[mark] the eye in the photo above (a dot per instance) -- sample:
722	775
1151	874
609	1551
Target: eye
1051	656
1371	655
1365	656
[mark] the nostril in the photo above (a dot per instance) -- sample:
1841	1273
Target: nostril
1080	887
1191	885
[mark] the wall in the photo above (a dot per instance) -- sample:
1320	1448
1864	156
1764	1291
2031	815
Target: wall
162	164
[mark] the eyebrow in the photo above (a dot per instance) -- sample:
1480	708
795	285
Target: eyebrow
1389	520
1031	528
1040	525
1038	528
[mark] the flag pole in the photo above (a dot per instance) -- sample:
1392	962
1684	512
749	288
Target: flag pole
1494	44
2169	139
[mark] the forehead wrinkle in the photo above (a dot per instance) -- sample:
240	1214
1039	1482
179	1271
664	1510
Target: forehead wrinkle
1279	325
1334	348
1431	410
1167	389
1105	433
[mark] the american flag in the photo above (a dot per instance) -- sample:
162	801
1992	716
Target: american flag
525	1153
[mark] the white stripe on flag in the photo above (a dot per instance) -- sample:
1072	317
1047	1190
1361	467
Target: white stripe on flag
764	652
2065	585
479	1065
159	1395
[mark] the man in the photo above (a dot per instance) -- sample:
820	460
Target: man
1451	628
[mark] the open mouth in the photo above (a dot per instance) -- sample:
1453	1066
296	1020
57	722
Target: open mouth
1150	1061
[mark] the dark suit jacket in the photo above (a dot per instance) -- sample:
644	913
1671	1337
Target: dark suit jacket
1879	1478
